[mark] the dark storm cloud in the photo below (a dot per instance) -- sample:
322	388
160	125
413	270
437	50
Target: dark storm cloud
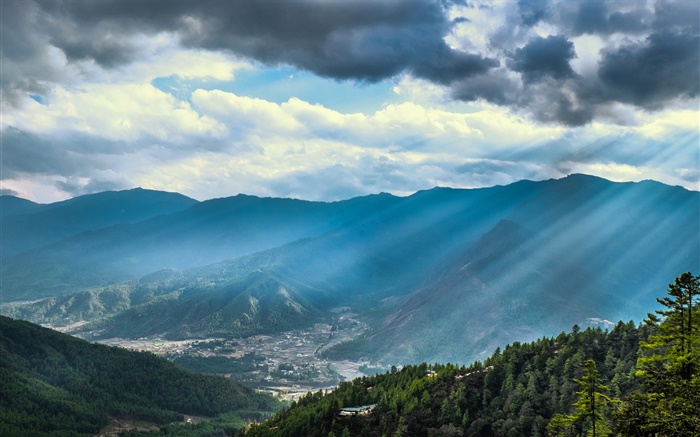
649	74
544	57
591	17
554	102
496	87
74	159
446	66
601	17
532	11
359	40
27	153
677	16
631	22
105	50
24	51
656	66
367	40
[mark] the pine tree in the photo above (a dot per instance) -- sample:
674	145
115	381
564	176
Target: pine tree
669	365
675	344
592	401
589	407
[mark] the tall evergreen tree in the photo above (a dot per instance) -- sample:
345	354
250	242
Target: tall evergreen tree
674	346
589	415
669	365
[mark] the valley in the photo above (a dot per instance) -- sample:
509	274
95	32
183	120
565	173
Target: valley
442	275
286	364
260	297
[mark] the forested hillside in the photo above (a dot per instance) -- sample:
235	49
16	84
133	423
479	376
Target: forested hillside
515	392
54	384
631	380
443	275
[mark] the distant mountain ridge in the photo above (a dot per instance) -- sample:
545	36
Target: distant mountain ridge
439	275
34	225
204	233
13	205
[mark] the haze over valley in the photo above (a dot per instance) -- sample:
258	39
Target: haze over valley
349	218
444	275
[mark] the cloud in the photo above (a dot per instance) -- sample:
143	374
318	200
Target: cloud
459	46
607	17
691	175
8	192
108	94
676	16
650	74
632	52
28	61
444	66
497	87
79	186
366	41
544	57
305	150
632	22
533	11
23	152
591	18
116	111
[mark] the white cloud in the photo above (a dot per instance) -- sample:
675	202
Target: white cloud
587	49
223	143
628	173
40	189
246	113
117	112
663	124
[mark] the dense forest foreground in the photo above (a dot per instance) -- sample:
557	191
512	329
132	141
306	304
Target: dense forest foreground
630	381
53	384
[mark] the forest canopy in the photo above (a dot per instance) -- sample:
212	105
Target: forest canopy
54	384
630	381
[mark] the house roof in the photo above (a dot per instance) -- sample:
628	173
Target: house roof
358	409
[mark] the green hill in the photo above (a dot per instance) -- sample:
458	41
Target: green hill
54	384
515	392
630	381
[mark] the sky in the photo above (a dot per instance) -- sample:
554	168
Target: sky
327	100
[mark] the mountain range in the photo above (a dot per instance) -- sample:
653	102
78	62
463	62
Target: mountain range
441	275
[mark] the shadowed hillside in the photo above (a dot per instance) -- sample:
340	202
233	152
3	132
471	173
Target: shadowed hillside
54	384
441	274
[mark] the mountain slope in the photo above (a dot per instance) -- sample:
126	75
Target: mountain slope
439	274
12	205
53	383
45	224
600	251
514	392
258	304
208	232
